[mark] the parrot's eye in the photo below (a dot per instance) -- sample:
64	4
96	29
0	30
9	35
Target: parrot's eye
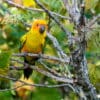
42	29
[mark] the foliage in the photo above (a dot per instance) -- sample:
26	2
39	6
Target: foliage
12	28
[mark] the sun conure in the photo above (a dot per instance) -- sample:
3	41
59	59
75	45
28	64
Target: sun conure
33	42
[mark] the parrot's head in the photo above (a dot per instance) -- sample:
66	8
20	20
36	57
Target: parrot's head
40	25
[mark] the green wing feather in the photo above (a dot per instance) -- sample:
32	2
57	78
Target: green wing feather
22	41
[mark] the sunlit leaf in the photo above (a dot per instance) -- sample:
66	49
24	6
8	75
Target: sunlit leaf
29	3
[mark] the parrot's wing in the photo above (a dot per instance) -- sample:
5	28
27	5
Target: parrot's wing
22	41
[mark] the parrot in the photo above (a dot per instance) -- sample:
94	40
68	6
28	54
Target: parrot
33	42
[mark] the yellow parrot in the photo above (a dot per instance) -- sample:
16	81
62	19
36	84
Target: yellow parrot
33	42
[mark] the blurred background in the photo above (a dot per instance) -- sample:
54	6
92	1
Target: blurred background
13	24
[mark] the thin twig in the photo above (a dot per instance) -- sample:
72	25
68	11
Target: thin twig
53	17
49	69
4	90
73	11
60	52
53	58
93	21
34	9
46	73
37	85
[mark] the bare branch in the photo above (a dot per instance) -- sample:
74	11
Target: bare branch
37	85
46	73
60	52
34	9
53	17
49	69
93	21
73	11
60	79
53	58
78	55
4	90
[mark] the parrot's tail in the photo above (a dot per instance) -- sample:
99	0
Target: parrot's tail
28	70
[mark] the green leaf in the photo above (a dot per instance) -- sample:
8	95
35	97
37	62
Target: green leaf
4	59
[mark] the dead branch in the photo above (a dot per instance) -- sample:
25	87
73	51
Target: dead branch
37	85
11	3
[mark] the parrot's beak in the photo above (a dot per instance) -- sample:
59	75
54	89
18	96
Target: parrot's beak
42	29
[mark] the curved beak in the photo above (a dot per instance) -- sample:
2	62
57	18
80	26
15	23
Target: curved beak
42	29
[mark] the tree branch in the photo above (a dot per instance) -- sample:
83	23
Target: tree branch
37	85
33	9
78	55
43	56
4	90
53	17
46	73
